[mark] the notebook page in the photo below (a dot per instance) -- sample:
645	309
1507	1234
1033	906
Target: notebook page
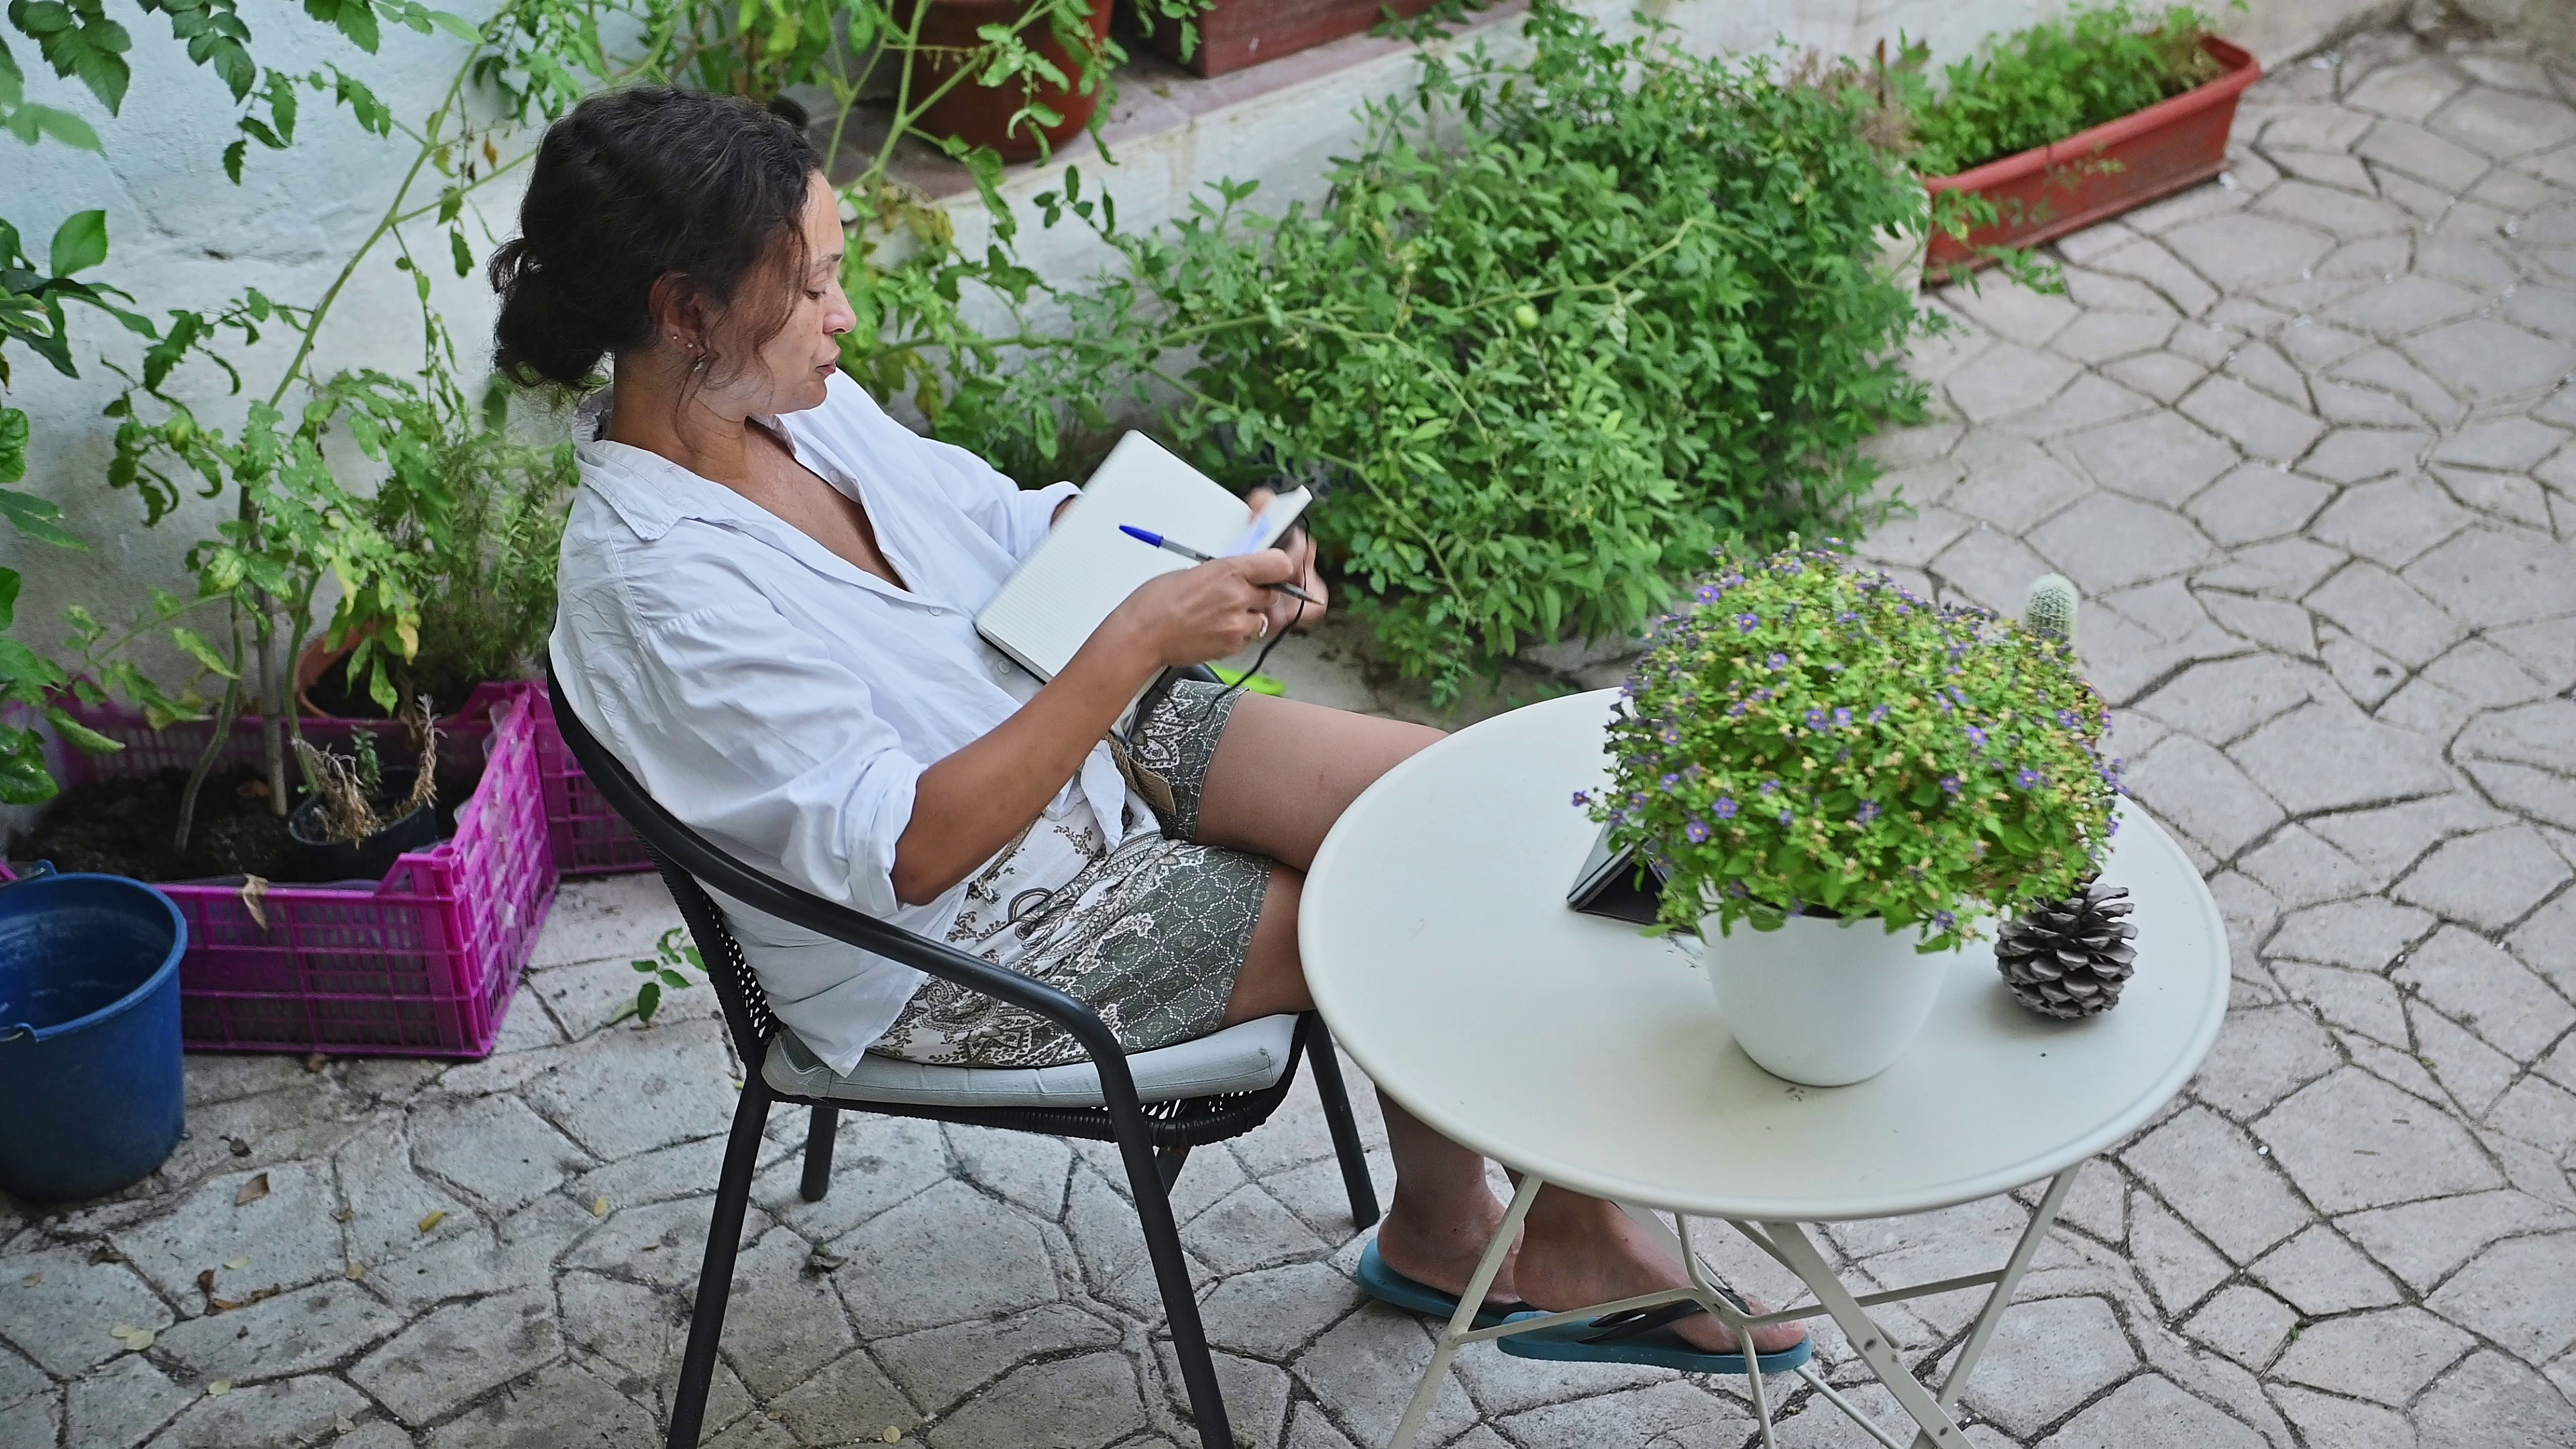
1086	567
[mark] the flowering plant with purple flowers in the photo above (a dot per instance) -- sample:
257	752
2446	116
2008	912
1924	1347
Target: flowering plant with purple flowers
1804	737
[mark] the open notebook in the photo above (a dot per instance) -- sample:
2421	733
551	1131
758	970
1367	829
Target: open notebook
1087	567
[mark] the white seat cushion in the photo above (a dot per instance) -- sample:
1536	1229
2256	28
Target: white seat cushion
1243	1058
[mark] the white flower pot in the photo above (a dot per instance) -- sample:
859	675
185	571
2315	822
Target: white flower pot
1822	1002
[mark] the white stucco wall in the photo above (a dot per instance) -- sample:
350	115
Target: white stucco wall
184	236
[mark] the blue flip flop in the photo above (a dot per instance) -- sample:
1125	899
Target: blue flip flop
1642	1335
1388	1286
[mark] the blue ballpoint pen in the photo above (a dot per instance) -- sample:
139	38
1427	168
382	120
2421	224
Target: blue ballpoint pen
1146	535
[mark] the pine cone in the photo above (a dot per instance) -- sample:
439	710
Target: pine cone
2070	958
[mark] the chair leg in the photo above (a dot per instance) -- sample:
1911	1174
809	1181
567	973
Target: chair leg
1169	1161
818	1153
1172	1275
1346	1131
715	1274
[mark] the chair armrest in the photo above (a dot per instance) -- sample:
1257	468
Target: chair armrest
691	852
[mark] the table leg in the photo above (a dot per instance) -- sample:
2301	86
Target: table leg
1464	1320
1722	1306
2000	1296
1876	1348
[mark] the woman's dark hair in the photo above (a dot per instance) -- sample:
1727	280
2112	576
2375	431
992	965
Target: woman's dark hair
631	187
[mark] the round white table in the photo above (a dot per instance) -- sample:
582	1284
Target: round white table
1582	1053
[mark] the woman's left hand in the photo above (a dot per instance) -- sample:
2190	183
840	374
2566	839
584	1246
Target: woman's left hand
1299	545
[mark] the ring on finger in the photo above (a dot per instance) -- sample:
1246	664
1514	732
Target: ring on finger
1264	631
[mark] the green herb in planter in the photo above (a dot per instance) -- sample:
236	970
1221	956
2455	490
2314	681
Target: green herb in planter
1547	363
2050	81
1800	736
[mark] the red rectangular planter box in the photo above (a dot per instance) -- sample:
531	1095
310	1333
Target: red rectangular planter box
2048	191
422	965
1237	34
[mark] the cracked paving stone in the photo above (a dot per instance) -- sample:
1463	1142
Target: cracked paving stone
294	1333
1076	1403
2048	1357
2489	361
2179	1267
2322	1275
2483	988
1367	1367
2255	502
118	1406
848	1395
2491	1402
2225	699
2006	379
2379	609
2300	869
2210	1173
2357	455
2386	1356
2246	1324
2263	1056
947	1255
2263	426
495	1148
2162	457
2493	577
563	1406
2150	1411
2328	757
2519	1294
288	1412
2351	1141
2391	522
2105	543
939	1366
1677	1413
2488	880
626	1092
2198	790
455	1353
2343	1423
2506	445
60	1304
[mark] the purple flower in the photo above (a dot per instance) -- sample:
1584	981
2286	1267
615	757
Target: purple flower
1710	593
1815	719
2028	779
1778	661
1770	787
1943	922
1725	807
1669	781
1582	797
1950	784
1747	623
1696	832
1875	716
1976	737
1867	812
1737	711
1787	815
1842	718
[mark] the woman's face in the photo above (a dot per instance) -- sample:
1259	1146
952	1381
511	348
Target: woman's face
792	371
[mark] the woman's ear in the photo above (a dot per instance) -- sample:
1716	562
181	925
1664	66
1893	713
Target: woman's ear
679	315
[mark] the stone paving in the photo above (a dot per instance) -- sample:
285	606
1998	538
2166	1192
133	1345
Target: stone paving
2303	436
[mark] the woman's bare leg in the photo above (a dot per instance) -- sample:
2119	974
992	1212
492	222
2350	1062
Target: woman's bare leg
1283	772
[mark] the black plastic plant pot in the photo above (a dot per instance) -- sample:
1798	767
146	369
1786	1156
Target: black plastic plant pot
373	857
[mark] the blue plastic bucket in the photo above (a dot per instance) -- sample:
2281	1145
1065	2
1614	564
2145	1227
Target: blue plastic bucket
90	1090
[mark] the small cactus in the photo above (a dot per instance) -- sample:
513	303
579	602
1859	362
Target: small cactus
2051	609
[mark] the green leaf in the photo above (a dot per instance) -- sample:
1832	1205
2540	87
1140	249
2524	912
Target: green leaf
195	646
34	517
80	243
674	980
234	154
14	432
648	1000
82	735
464	254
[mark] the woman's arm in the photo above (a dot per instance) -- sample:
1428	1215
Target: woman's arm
970	804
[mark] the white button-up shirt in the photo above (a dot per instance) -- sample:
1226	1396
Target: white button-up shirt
783	701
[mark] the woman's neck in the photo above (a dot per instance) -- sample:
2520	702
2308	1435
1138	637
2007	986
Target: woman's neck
652	408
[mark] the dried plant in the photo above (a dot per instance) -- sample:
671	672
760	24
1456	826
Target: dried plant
348	785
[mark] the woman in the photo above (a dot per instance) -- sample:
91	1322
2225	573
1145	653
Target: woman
768	592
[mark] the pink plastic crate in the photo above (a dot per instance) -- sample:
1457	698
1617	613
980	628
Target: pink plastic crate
422	965
588	837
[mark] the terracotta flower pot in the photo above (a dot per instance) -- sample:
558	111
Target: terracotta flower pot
1235	34
2051	190
981	115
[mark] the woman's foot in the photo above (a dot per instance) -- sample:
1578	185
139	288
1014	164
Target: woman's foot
1576	1251
1442	1251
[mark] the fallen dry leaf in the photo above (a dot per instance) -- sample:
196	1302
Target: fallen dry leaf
104	1254
354	1272
436	1217
235	1265
254	897
219	1388
252	1191
344	1215
315	1061
894	1435
599	1209
32	1279
135	1339
342	1423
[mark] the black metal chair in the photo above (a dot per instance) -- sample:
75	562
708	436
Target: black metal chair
1154	1138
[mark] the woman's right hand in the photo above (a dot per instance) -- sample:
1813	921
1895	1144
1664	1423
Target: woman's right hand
1210	611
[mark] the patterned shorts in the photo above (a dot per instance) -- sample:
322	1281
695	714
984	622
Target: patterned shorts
1150	933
